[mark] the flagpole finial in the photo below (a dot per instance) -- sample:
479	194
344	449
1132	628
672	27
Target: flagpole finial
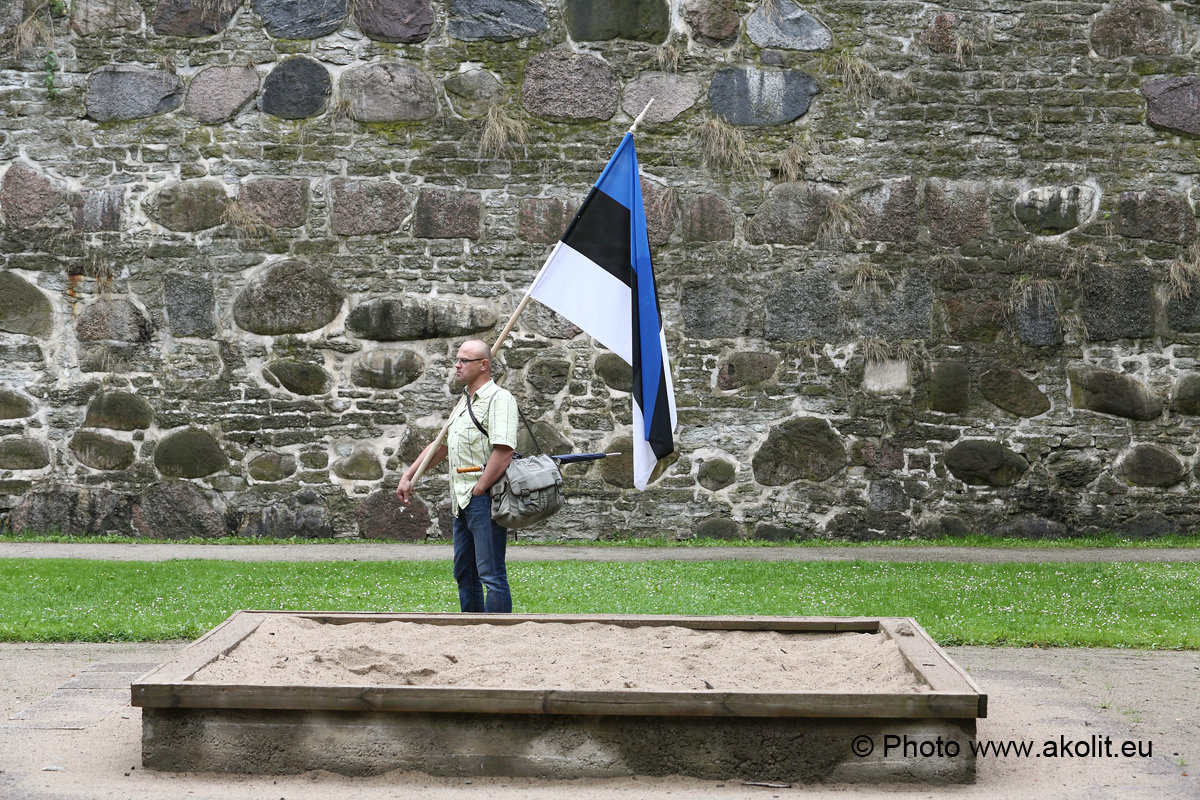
637	121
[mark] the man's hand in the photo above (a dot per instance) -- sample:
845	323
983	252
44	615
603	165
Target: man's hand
502	456
404	491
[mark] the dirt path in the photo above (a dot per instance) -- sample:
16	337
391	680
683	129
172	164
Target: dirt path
369	551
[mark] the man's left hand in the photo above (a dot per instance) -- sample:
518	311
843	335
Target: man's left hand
501	457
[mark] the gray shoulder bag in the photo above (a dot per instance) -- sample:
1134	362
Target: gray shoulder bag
530	490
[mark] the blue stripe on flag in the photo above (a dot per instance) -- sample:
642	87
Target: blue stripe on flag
621	181
620	175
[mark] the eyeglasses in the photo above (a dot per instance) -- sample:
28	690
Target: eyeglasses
467	360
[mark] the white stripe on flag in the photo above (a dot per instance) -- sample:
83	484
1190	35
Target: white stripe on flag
589	296
644	458
662	342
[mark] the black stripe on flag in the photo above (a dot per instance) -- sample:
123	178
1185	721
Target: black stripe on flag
659	438
600	232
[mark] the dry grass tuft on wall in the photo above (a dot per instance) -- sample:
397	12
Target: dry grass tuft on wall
723	147
501	134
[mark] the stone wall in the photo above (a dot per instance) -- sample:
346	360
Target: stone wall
925	267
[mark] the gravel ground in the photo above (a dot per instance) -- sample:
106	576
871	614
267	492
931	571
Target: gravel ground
68	733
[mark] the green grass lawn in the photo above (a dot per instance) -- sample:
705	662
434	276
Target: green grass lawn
1143	605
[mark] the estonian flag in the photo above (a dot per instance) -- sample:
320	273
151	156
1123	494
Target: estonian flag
600	278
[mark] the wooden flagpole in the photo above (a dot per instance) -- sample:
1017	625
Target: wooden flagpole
512	323
638	121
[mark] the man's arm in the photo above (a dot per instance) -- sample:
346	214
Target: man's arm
404	490
502	456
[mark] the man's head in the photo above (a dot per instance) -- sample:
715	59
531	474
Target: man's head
473	365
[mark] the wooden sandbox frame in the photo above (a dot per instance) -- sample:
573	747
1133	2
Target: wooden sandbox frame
798	736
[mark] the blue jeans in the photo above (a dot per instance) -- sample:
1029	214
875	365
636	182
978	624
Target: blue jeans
479	559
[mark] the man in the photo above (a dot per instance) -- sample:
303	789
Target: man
478	541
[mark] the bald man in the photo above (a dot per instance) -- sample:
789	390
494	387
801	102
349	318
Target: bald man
479	542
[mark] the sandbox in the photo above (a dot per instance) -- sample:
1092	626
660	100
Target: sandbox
789	699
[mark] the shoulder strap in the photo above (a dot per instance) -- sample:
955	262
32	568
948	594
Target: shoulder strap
529	428
471	411
520	413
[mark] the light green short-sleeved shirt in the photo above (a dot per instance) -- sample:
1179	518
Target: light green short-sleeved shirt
496	410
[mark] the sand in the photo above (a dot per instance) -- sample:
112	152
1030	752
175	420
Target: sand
570	656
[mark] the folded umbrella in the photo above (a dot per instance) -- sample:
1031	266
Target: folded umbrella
571	458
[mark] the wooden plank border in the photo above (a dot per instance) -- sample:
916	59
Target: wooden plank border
953	694
732	623
933	665
212	645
